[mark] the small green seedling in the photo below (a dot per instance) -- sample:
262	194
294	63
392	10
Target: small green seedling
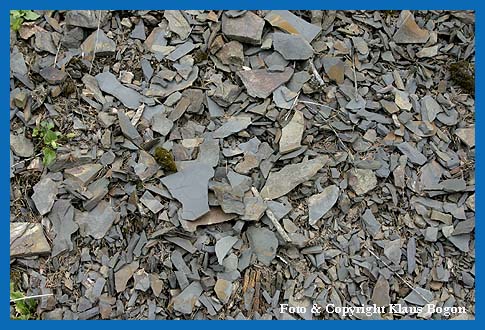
49	140
17	17
25	308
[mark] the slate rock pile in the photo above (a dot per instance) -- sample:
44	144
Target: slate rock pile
322	157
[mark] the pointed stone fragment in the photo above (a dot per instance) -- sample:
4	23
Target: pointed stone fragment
27	239
261	83
362	180
45	192
292	133
380	294
185	302
123	275
264	244
190	187
246	28
292	47
289	22
282	182
408	32
223	246
320	204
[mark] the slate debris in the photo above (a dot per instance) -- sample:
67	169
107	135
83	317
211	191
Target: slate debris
308	157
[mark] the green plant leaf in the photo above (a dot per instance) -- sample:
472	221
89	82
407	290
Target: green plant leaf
30	15
16	13
50	138
16	23
71	135
49	156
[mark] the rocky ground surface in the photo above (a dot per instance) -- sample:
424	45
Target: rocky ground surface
321	157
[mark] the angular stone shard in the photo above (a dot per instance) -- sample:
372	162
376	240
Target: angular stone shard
21	146
128	129
233	125
98	221
223	290
264	244
53	75
362	180
245	28
62	219
45	192
27	239
334	68
282	182
83	174
292	133
85	18
223	246
99	44
174	85
261	83
370	223
380	294
190	187
214	216
177	23
184	303
289	22
412	153
467	135
292	47
408	32
123	275
321	203
109	84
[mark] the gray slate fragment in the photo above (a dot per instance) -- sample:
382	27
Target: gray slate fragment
128	129
83	174
181	51
261	83
174	85
161	124
45	192
85	18
97	222
291	23
184	303
141	280
392	250
190	187
53	75
62	219
371	224
263	243
408	31
223	246
109	84
21	146
467	135
292	133
223	290
419	296
245	28
412	153
151	202
233	125
281	182
362	181
139	31
292	47
27	239
177	23
320	204
99	44
430	108
123	275
380	294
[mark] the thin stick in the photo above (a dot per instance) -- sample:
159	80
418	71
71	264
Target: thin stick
273	219
316	74
399	276
355	74
32	297
57	53
96	41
